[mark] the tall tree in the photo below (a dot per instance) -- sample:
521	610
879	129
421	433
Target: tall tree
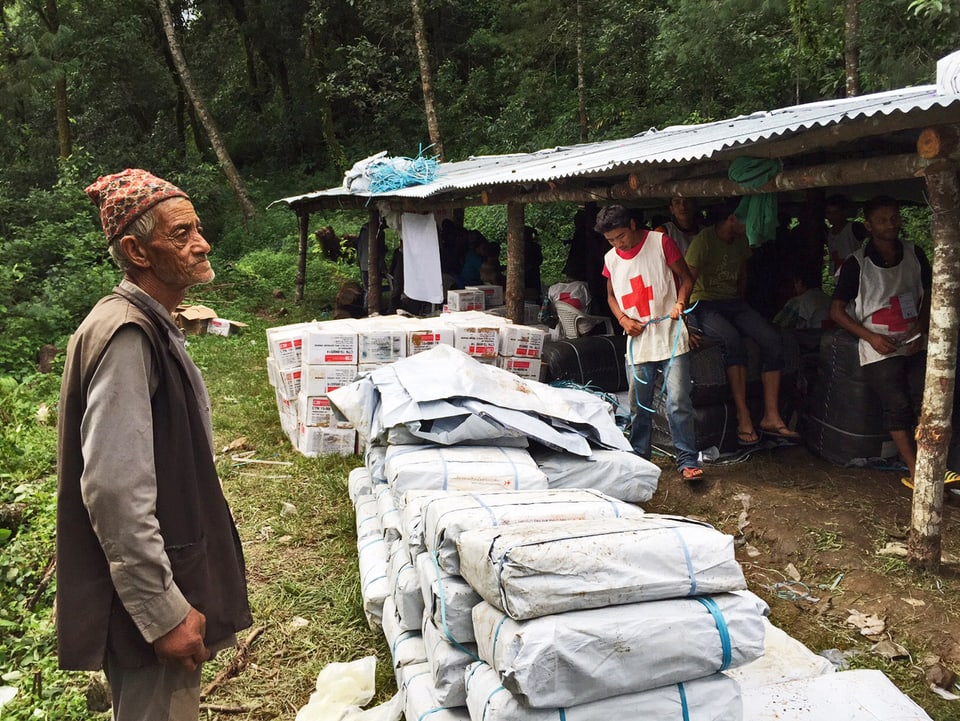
581	82
851	47
226	163
426	78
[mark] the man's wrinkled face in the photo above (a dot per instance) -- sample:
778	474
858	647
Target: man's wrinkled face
178	251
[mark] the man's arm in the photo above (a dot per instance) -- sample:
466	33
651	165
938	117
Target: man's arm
629	325
683	272
120	491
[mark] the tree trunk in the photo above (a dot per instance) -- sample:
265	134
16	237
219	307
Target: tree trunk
374	278
934	429
515	261
64	136
851	47
226	163
581	82
426	79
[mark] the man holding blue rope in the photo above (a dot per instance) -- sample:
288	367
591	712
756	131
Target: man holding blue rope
648	286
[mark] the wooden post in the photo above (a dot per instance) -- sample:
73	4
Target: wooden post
374	278
515	262
303	222
934	429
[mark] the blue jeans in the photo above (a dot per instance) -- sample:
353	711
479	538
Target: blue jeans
730	320
679	408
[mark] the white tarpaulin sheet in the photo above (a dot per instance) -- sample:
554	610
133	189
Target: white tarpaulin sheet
864	695
411	519
374	586
389	514
359	484
712	698
784	659
420	697
446	516
374	459
448	662
621	474
461	468
536	569
581	656
447	600
405	587
368	517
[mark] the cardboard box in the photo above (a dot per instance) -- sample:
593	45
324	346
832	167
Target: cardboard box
222	326
477	341
318	380
381	345
314	410
421	340
493	294
192	319
318	440
459	300
332	344
285	344
529	368
521	341
289	383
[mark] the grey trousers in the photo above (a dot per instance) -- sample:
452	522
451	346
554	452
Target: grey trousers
153	693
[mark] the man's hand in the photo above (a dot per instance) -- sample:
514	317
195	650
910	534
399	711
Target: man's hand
882	344
183	644
631	326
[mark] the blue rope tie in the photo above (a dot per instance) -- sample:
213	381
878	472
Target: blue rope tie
443	611
684	709
717	614
689	560
673	353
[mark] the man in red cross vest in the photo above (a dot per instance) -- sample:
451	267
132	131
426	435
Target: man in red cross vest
883	298
648	285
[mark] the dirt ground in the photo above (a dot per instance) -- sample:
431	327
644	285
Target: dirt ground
810	536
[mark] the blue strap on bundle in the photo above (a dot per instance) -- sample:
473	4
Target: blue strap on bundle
722	629
758	212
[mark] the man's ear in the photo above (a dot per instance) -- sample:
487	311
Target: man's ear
131	247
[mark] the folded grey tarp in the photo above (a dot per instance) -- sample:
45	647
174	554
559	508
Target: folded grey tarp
404	587
406	646
374	587
447	599
448	662
535	569
461	468
621	474
581	656
420	697
446	516
711	698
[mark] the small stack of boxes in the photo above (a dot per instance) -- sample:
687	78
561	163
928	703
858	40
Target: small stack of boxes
308	360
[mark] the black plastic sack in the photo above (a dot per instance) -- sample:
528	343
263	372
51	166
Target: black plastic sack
597	361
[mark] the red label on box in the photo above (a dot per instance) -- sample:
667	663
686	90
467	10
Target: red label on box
337	358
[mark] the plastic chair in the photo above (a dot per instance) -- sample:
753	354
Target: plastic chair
575	323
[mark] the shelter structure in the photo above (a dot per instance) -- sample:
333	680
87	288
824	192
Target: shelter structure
904	143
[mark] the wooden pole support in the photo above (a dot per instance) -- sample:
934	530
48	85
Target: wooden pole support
941	141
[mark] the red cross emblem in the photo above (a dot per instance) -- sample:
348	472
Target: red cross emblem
639	297
891	317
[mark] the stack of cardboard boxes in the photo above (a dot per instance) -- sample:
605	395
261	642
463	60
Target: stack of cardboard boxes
308	360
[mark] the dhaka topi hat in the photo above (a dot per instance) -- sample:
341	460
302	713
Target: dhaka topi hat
125	196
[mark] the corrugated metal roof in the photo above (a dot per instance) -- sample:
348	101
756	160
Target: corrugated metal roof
675	144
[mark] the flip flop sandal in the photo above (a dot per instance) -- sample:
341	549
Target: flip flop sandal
691	473
748	439
781	432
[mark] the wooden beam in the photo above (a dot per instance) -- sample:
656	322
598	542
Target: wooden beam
939	142
303	223
515	262
934	430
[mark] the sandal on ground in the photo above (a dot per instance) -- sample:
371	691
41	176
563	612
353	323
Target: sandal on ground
691	473
948	477
747	438
781	432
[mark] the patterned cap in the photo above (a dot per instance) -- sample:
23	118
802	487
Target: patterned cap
125	196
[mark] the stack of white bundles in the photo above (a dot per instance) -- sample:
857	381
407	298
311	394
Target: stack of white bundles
448	600
461	468
368	518
374	458
411	518
374	586
406	646
448	662
528	570
446	516
577	657
389	514
404	588
617	473
359	484
420	697
711	698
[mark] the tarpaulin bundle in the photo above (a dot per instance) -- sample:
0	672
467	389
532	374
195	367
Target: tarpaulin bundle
758	212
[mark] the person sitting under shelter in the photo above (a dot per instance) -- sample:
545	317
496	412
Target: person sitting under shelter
883	298
717	259
809	308
844	236
684	223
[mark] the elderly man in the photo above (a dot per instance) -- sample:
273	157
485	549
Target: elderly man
150	573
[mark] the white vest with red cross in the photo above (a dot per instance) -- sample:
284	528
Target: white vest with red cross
888	300
645	289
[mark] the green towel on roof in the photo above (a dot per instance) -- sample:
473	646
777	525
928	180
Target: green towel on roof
758	212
